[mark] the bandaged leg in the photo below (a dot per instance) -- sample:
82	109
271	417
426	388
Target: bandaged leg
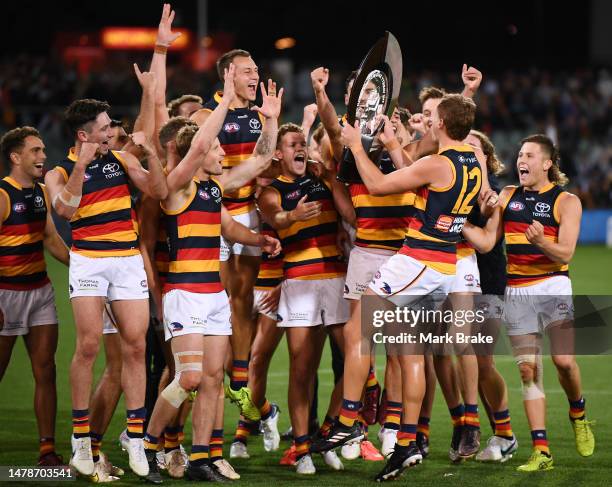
178	390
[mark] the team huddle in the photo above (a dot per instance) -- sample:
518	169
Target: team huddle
219	231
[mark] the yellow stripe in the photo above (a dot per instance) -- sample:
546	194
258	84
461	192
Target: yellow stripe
63	172
535	269
231	161
387	234
123	236
243	209
101	207
25	269
312	253
199	230
519	238
366	200
421	236
312	277
7	210
441	267
16	240
419	202
194	266
107	253
452	183
243	192
324	217
465	252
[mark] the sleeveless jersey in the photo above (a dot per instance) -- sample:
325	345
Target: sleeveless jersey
22	257
271	268
382	221
241	129
194	239
440	213
105	223
527	264
309	246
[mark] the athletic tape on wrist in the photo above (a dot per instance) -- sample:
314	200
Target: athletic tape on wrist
73	202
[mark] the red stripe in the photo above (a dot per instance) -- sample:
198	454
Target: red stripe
105	194
238	149
358	189
198	254
523	280
521	227
318	268
15	260
430	255
540	442
24	228
209	287
527	259
103	229
199	217
308	243
464	245
392	223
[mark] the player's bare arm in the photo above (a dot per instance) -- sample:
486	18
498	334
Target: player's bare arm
237	232
65	196
277	218
327	112
569	215
239	175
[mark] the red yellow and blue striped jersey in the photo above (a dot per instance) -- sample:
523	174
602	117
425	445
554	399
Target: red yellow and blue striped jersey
105	223
22	257
440	213
382	221
310	247
241	129
194	239
271	268
527	264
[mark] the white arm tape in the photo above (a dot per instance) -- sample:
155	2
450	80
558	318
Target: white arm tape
73	202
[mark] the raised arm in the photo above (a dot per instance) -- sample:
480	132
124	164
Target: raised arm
418	174
66	196
165	38
145	122
182	174
310	115
327	112
569	214
237	232
241	174
151	182
471	80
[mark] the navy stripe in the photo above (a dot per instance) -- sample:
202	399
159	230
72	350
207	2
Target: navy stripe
311	232
192	277
384	211
116	216
334	259
396	243
24	278
22	249
522	249
102	245
414	243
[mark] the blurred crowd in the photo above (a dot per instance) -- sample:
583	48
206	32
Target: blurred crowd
574	108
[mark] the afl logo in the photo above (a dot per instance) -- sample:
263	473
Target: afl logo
39	202
254	124
231	127
203	194
215	192
110	167
86	177
516	206
294	195
542	207
19	207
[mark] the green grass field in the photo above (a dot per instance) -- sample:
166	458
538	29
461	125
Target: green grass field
591	273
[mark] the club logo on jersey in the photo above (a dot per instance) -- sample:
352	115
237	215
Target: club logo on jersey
386	288
444	223
346	289
203	194
19	207
231	127
176	326
39	202
516	206
294	195
255	124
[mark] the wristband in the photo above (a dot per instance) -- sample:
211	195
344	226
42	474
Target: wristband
73	202
161	49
